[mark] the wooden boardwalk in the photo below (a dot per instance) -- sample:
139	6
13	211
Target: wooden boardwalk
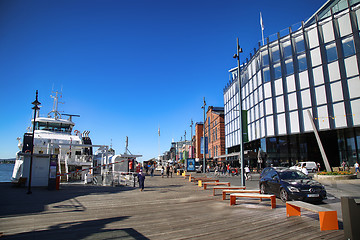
169	208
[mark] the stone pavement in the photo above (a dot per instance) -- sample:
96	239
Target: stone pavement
169	208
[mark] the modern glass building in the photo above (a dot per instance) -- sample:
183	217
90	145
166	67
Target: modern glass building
311	67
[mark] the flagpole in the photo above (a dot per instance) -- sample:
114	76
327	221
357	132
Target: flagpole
159	145
262	29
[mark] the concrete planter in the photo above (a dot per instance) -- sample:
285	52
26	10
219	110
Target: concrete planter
334	177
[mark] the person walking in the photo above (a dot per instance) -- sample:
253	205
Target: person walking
162	171
141	180
152	170
171	170
356	165
304	170
343	165
167	171
247	172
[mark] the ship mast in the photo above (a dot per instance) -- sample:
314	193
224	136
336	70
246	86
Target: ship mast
55	111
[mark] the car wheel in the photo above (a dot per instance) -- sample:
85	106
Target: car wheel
283	195
262	189
314	170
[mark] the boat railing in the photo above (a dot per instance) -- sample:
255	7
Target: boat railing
116	178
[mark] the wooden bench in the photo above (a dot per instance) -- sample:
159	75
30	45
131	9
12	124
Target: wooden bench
197	178
327	217
234	196
187	175
200	182
215	184
230	191
227	187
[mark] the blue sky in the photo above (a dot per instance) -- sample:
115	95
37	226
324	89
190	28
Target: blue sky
127	66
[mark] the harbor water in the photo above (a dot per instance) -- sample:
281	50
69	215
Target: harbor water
6	172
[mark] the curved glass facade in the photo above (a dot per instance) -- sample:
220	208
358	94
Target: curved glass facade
315	68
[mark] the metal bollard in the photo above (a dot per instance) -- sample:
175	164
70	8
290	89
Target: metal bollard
351	217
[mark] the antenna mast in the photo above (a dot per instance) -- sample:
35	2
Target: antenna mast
55	111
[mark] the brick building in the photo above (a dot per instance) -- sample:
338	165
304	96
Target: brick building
215	134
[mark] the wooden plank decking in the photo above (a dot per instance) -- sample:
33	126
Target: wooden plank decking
169	208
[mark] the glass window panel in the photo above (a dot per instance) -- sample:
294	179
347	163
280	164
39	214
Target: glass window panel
262	127
341	5
280	107
294	122
351	66
354	87
256	96
344	25
265	58
267	90
261	108
334	72
300	44
331	53
267	76
287	49
348	47
357	12
320	95
355	106
313	38
304	80
318	76
352	2
336	92
323	117
306	98
316	56
256	109
292	100
306	120
259	78
278	87
340	115
290	81
260	93
268	106
289	67
270	125
328	32
275	54
277	71
302	62
281	124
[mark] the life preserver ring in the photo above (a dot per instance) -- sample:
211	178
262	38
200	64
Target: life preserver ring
76	132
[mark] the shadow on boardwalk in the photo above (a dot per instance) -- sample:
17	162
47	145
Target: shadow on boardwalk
15	201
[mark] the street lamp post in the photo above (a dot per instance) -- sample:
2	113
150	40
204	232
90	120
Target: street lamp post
192	151
204	156
241	152
36	103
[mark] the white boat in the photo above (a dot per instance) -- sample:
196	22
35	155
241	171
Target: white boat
55	135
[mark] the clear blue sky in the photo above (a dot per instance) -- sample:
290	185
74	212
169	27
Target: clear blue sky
127	66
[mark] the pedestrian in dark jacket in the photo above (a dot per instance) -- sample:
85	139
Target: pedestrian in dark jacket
141	179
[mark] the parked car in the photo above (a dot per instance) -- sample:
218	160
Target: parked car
310	166
288	184
265	170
